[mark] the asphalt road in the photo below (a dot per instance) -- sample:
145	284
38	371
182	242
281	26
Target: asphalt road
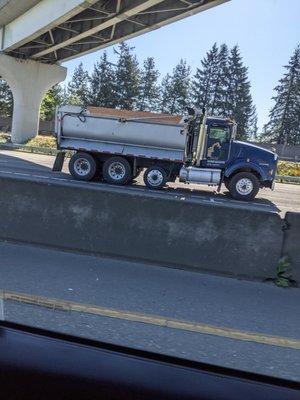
285	197
251	308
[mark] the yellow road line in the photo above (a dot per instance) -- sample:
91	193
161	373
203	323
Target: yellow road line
157	320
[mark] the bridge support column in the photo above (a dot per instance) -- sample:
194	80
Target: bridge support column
28	81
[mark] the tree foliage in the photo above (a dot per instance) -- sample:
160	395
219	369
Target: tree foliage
149	89
102	91
127	81
53	98
239	104
284	117
78	87
220	84
176	89
210	81
6	100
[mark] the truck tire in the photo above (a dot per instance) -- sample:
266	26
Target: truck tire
243	186
82	166
155	177
117	170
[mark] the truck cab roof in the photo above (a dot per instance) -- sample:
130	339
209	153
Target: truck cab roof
220	119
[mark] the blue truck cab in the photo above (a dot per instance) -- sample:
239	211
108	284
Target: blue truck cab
243	168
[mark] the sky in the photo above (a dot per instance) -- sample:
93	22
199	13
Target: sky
267	32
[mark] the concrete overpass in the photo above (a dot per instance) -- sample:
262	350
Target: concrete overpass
36	36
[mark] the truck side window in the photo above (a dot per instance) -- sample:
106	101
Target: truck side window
218	143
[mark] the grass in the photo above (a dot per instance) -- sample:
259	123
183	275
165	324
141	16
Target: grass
288	168
41	141
284	277
3	137
39	145
45	142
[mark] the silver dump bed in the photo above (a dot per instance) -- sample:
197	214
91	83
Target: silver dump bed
137	137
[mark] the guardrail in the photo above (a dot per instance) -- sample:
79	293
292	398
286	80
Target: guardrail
198	236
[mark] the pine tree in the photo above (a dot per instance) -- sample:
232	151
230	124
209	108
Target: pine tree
252	126
284	117
149	89
6	100
102	84
127	78
220	82
78	87
203	84
166	93
221	85
53	98
239	103
175	89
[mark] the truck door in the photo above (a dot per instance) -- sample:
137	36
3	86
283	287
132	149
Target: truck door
218	143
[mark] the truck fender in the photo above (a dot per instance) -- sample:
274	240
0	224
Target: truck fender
245	165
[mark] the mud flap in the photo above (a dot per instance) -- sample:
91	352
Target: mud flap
59	161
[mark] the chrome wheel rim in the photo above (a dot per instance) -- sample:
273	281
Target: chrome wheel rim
244	186
155	177
116	171
82	167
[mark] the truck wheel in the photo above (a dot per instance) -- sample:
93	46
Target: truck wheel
117	170
155	177
243	186
82	166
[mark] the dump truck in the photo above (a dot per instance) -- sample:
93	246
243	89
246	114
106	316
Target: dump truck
199	150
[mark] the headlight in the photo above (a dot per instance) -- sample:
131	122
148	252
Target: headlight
275	156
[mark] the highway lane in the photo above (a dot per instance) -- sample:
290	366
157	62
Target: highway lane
251	308
285	197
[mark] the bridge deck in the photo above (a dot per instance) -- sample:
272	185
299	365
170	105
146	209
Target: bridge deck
54	31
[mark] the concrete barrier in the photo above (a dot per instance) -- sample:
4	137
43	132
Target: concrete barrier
116	222
291	243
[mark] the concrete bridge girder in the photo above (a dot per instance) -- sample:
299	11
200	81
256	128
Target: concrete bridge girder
28	80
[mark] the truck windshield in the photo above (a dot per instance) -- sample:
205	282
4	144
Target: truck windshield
219	133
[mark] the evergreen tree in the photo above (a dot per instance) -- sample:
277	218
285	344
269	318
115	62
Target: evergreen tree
253	127
53	98
6	100
284	117
102	84
166	93
78	87
220	83
149	89
238	99
175	89
127	78
203	84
